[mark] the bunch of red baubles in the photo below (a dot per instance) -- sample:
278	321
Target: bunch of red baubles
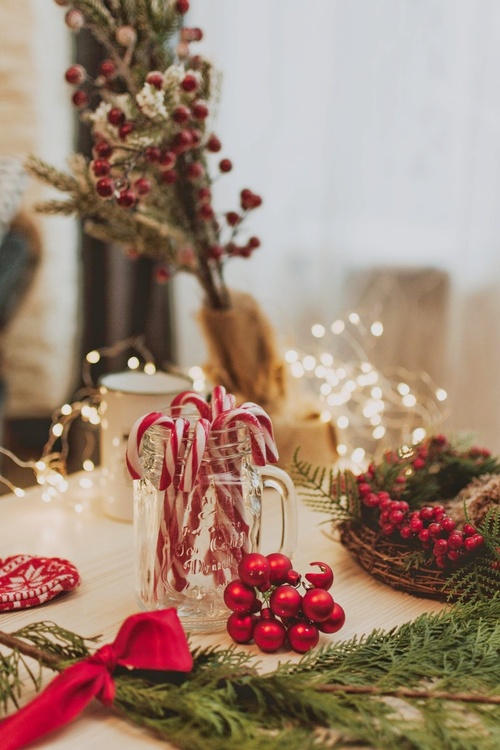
268	608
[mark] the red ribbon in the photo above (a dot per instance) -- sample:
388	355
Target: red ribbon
149	640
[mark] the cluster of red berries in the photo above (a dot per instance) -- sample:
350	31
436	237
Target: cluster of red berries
125	172
430	526
268	608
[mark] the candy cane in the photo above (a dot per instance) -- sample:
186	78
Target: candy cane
272	454
190	397
221	401
232	418
195	455
134	443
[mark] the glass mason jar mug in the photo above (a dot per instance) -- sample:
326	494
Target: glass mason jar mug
189	543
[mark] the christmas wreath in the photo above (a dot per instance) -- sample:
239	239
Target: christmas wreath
425	519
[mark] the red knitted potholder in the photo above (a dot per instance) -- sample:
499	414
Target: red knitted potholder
26	581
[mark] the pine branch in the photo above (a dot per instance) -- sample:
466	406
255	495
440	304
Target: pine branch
325	491
430	683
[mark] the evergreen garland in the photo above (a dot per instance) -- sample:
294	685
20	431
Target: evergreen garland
433	682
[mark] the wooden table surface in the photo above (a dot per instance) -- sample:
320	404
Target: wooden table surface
74	527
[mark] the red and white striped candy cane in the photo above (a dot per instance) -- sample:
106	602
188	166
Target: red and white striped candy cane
236	416
194	455
272	454
221	401
136	435
191	397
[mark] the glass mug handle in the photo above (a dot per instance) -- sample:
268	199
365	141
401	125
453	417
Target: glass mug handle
278	480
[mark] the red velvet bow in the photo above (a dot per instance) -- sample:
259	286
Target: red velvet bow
149	640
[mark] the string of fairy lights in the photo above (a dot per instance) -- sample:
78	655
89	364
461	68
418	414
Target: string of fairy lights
372	410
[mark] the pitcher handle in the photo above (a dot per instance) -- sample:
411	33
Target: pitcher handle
278	480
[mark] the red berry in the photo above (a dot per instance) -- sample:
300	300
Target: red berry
142	186
215	252
254	243
155	78
455	540
213	144
293	577
239	597
253	569
333	623
204	194
416	524
76	75
105	187
269	634
225	165
317	605
125	130
206	212
303	636
189	83
191	34
426	513
285	601
162	274
107	68
240	626
280	565
74	19
181	114
169	177
152	154
434	530
116	116
167	159
182	140
447	524
468	529
102	149
126	198
195	171
80	99
101	167
182	6
199	110
232	218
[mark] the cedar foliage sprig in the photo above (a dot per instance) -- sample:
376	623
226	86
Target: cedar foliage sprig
433	682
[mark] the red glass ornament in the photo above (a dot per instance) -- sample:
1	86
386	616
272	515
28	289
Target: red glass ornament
285	601
333	623
253	569
303	636
317	605
323	580
239	597
240	626
280	565
269	634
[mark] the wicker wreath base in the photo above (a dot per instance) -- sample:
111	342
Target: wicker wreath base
389	562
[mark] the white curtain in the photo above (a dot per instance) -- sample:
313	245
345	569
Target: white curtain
372	130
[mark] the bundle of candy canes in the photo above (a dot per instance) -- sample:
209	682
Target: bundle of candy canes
184	478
